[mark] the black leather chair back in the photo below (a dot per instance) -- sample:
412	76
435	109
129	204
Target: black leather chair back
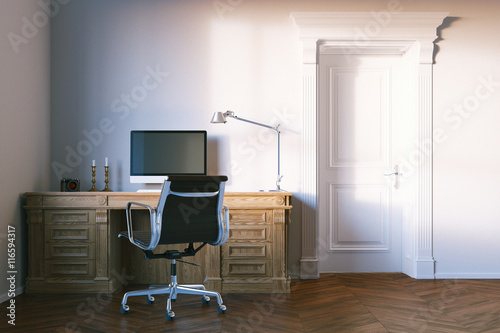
192	209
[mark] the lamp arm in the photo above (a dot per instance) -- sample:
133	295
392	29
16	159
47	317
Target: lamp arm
231	114
280	176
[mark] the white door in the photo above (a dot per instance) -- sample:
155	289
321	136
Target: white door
359	138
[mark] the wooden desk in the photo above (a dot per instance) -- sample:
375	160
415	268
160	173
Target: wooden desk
73	244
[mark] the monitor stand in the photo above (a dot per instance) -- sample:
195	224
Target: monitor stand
151	188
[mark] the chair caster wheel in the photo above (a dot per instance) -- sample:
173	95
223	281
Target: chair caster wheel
150	300
170	315
221	309
124	309
205	299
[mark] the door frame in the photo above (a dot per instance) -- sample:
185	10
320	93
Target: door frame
412	34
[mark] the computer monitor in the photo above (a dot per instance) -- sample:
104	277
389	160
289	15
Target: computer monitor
156	154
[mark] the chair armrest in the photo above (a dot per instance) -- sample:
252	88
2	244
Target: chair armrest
155	226
223	227
226	223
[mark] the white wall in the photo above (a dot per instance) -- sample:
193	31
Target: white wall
466	163
24	123
103	51
245	57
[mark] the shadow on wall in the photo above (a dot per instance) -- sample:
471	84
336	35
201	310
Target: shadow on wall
447	22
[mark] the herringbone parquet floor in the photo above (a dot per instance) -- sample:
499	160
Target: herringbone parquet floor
378	302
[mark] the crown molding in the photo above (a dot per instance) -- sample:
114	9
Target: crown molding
368	32
378	25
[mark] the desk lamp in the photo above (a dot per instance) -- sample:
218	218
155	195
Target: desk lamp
220	117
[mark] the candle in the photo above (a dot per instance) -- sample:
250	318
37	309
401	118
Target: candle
106	161
93	162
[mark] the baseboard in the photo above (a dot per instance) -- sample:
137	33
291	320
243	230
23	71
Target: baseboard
309	269
462	276
5	297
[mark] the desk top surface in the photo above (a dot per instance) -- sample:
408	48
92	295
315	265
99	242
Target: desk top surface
147	194
118	200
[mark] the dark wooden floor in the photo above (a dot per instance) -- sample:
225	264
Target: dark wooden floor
334	303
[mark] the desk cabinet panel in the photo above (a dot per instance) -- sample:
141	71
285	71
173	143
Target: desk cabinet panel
73	245
69	246
256	244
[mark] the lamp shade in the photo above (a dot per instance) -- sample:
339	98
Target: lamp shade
218	118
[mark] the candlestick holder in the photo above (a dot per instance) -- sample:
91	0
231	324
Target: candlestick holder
93	189
106	179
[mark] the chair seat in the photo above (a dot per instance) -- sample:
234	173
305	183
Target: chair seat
140	236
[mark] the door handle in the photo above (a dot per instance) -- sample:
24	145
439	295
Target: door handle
395	173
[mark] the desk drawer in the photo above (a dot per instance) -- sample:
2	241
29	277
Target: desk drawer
249	232
235	250
79	269
240	268
250	216
69	216
69	251
65	232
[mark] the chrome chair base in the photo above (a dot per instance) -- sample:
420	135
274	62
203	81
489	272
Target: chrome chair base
172	290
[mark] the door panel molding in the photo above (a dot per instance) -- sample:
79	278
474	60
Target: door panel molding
342	120
366	200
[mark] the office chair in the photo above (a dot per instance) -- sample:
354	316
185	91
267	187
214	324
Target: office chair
189	211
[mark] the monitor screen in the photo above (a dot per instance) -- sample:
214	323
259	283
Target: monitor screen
157	154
